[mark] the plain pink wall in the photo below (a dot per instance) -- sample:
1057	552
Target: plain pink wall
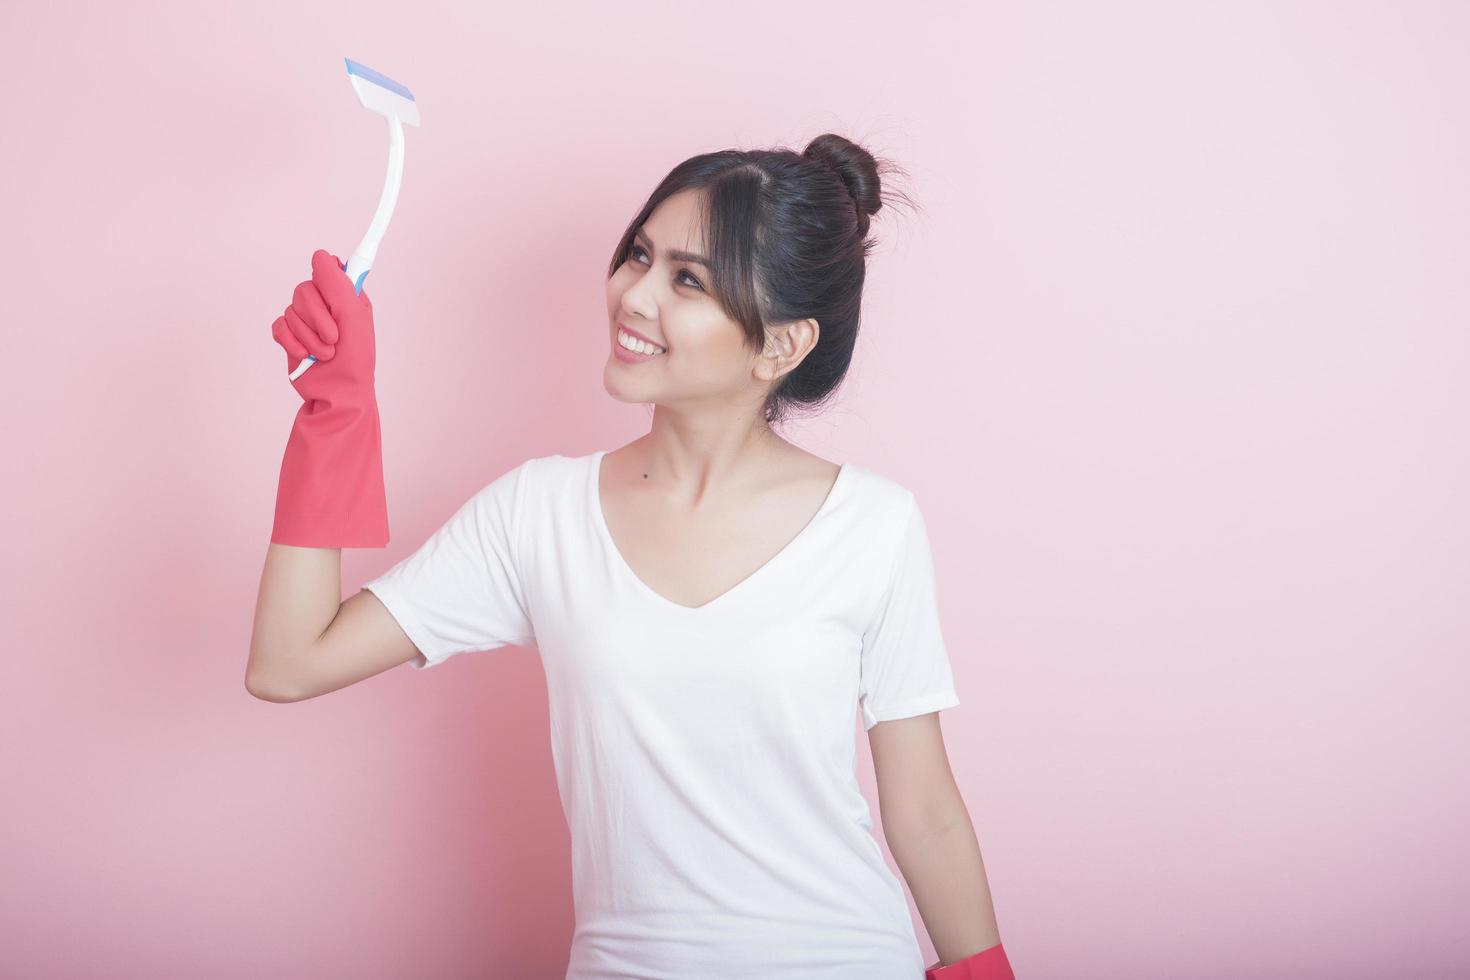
1174	359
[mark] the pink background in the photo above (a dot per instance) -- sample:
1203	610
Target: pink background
1173	358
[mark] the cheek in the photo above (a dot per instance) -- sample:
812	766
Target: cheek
712	343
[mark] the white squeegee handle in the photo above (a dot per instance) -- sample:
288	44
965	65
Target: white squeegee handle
361	262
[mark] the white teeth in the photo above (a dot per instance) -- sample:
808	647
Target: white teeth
637	346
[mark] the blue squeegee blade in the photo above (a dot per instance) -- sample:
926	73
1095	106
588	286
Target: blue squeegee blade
377	78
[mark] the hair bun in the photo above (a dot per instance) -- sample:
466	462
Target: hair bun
856	166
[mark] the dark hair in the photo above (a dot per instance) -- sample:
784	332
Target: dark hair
786	234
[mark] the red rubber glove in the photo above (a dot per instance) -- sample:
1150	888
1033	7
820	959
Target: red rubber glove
331	492
988	964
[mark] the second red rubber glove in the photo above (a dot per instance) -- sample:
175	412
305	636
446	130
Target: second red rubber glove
988	964
331	492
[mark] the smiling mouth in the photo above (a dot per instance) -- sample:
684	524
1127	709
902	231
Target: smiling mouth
629	342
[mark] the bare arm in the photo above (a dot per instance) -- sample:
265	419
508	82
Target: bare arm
306	641
928	829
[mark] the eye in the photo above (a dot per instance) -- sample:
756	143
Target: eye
638	249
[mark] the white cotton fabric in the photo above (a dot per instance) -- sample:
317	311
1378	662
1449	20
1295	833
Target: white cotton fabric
705	756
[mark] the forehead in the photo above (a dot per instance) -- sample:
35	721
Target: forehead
677	223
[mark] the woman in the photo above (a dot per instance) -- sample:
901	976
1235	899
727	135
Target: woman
709	601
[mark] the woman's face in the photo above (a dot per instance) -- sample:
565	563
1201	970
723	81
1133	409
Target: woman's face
663	297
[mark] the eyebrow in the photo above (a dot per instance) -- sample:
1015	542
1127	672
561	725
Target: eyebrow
675	254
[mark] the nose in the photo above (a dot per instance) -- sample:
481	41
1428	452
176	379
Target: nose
637	302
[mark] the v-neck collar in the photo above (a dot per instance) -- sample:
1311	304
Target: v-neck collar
599	521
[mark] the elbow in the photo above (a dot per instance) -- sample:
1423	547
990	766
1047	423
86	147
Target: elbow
264	689
926	821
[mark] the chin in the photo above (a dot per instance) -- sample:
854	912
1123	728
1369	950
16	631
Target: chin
615	387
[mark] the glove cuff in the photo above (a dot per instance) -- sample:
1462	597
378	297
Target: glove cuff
988	964
331	492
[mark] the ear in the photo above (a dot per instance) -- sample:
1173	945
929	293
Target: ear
786	346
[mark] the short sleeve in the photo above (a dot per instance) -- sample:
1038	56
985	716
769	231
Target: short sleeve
463	590
905	666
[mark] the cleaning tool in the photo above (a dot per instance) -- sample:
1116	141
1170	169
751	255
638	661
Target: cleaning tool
988	964
394	102
330	493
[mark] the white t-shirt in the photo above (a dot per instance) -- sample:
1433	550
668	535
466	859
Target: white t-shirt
705	756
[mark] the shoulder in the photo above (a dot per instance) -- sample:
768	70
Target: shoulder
880	496
547	482
541	469
880	511
558	470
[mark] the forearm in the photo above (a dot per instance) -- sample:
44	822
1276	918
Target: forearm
941	863
300	594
